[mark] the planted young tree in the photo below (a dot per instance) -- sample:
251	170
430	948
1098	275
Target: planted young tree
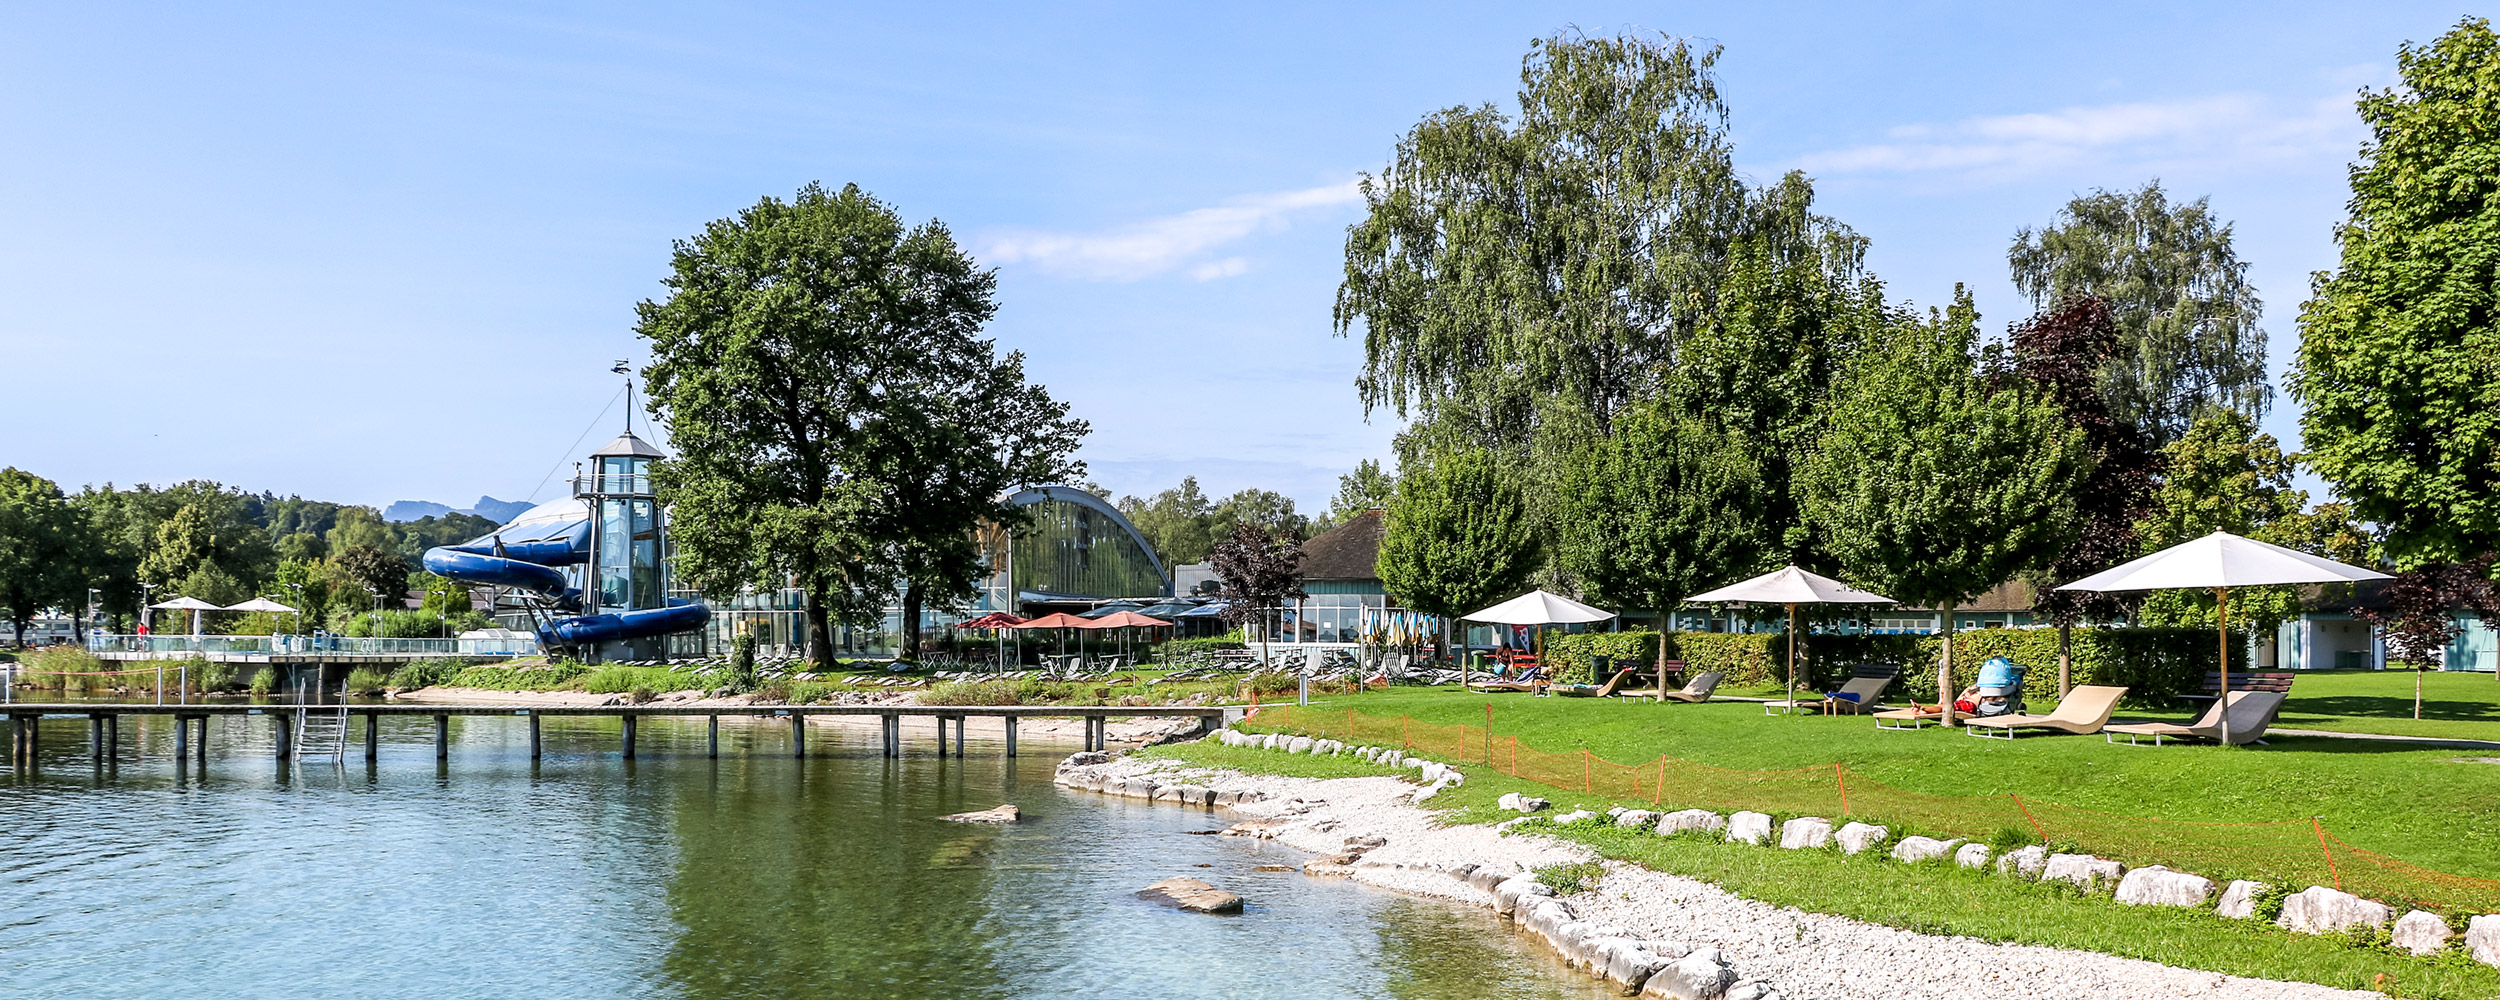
1458	537
1260	570
1933	483
2400	410
840	424
2178	294
1665	507
2418	617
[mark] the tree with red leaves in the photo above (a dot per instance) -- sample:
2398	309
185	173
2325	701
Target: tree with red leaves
2416	620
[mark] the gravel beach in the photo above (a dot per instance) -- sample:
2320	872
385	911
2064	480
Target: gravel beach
1799	955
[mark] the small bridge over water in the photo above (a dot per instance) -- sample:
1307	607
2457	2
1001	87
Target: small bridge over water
104	722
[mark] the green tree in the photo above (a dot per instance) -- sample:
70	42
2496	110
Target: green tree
43	547
1269	510
352	527
1260	570
1524	279
840	424
373	571
2224	475
2401	412
1366	488
1458	537
2178	292
1177	522
1665	507
1933	483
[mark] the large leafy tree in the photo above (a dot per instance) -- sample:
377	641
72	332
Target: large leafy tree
1176	522
2401	412
840	423
2224	475
1366	488
2177	292
2064	350
1458	536
1665	507
1933	483
44	542
1524	278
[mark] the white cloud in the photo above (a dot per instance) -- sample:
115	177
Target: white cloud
2222	130
1157	246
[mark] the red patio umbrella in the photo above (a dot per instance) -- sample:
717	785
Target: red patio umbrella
995	621
1059	620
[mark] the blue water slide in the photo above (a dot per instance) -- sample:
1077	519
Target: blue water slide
524	555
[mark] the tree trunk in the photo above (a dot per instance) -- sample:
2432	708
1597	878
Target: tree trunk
1944	672
911	621
819	630
1448	650
2065	657
1665	620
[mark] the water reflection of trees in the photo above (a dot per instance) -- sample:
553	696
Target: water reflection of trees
826	880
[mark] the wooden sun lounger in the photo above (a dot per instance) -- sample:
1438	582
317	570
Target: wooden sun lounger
1696	692
2251	714
2085	710
1916	716
1856	696
1585	691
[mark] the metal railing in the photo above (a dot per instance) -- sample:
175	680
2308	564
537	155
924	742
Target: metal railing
612	484
280	645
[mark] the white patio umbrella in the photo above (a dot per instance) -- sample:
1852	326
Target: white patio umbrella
1790	586
191	604
265	604
2219	562
1536	607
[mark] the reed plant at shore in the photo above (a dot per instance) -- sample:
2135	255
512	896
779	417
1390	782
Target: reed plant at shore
367	681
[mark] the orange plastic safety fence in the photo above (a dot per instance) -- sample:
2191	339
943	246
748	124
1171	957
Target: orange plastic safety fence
2299	853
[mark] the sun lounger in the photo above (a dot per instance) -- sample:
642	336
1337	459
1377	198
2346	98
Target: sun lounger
2250	712
2085	710
1528	680
1699	690
1592	690
1914	717
1856	696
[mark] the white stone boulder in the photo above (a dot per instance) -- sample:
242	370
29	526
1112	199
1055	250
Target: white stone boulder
1516	802
1702	975
1749	827
1508	892
1690	819
2420	932
2026	862
1577	817
1805	833
1972	855
2482	938
2239	899
2084	870
2320	910
1626	962
1635	819
1912	850
1300	744
2159	886
1856	837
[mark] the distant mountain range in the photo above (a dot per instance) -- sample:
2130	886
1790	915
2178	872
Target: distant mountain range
498	511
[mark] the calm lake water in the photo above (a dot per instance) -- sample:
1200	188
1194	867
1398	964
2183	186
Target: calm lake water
672	876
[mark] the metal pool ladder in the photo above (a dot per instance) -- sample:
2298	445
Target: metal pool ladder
321	733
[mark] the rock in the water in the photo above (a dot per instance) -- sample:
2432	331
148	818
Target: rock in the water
2420	932
2159	886
1691	819
1912	850
2482	938
2239	899
2026	862
1698	976
2320	910
1002	814
1856	837
2083	870
1192	895
1805	832
1749	827
1972	855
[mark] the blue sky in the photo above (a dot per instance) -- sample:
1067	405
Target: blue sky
367	252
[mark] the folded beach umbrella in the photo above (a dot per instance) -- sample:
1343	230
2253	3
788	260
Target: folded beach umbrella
1790	586
2219	562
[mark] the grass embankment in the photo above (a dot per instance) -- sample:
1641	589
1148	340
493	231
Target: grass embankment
2416	804
1936	897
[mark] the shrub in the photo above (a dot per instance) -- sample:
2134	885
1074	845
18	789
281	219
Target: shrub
1567	880
804	692
1268	682
742	665
264	681
424	673
626	680
367	681
59	667
1208	644
974	693
209	675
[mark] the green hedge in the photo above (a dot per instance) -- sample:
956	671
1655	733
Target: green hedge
2155	665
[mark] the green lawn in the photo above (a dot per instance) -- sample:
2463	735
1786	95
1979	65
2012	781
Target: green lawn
2462	706
1937	898
2429	807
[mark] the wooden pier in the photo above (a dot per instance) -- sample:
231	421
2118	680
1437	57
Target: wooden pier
104	722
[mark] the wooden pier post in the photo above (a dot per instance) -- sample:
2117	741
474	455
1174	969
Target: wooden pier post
536	746
798	735
286	735
442	737
182	740
941	721
959	735
712	741
629	735
890	728
95	736
373	736
199	747
1011	735
112	738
